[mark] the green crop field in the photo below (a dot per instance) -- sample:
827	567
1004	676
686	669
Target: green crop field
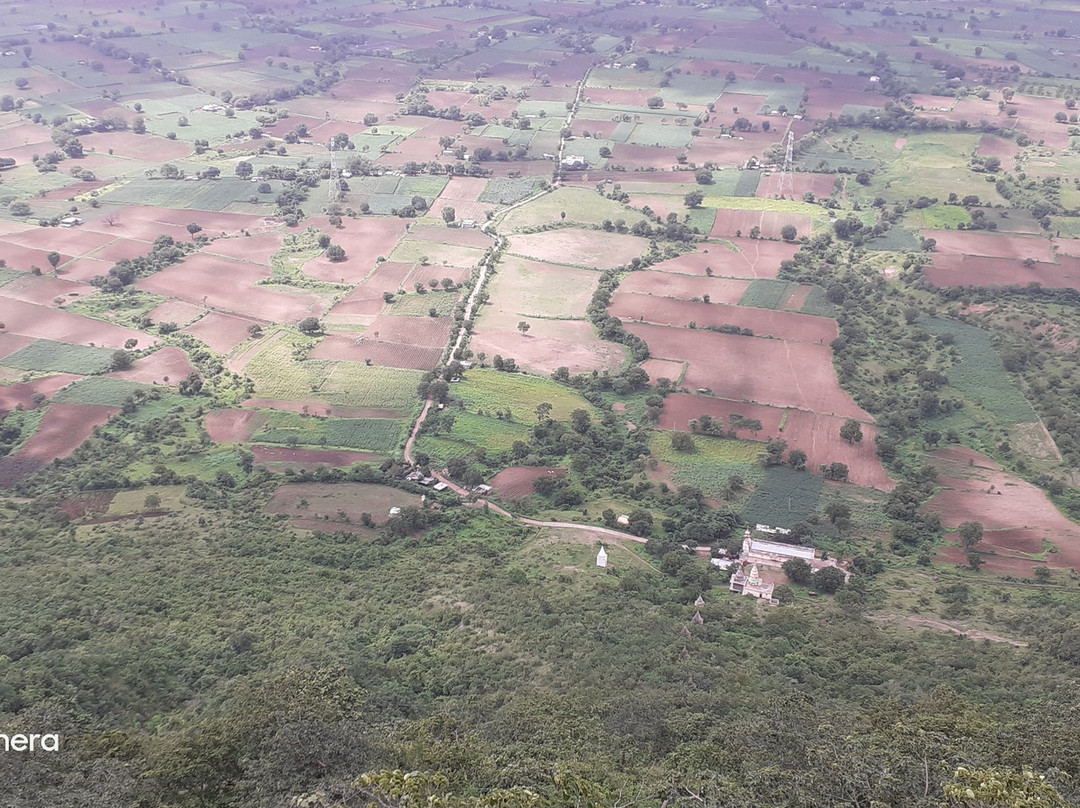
783	497
374	434
60	357
980	376
492	390
421	305
897	239
817	303
506	191
497	435
937	217
352	384
208	195
766	293
712	464
664	136
747	184
99	390
377	434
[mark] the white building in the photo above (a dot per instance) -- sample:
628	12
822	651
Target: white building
601	557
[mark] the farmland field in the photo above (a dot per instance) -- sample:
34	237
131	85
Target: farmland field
97	390
491	390
60	357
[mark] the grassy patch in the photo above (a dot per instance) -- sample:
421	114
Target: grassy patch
817	303
980	376
767	293
99	390
712	464
748	183
938	217
783	497
493	390
505	191
421	305
60	357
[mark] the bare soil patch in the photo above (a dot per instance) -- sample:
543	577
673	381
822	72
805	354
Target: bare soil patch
767	371
587	248
234	426
221	332
517	482
278	458
733	257
671	284
165	366
63	429
319	506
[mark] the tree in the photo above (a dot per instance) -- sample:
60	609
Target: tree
797	570
194	228
797	459
580	421
523	326
784	595
682	442
774	453
244	170
54	259
371	119
788	232
335	252
851	431
970	533
835	511
654	102
309	325
694	199
449	215
835	471
703	176
828	579
120	360
543	412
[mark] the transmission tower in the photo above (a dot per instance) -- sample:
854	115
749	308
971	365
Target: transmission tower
333	193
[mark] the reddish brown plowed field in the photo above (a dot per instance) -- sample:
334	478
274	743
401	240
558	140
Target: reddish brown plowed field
1016	515
817	435
175	311
233	426
682	408
427	332
517	482
277	457
222	332
122	246
464	189
663	369
307	503
768	371
740	222
40	322
969	270
63	428
365	238
11	395
754	258
82	270
72	242
316	407
383	353
23	258
684	287
551	345
955	242
227	284
10	343
994	146
763	322
165	366
587	248
255	249
44	289
797	299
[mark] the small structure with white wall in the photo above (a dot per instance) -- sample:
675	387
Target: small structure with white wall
601	557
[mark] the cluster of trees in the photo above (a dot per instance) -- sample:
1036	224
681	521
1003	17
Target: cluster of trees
165	252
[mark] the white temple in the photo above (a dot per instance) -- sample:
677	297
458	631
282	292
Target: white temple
601	557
